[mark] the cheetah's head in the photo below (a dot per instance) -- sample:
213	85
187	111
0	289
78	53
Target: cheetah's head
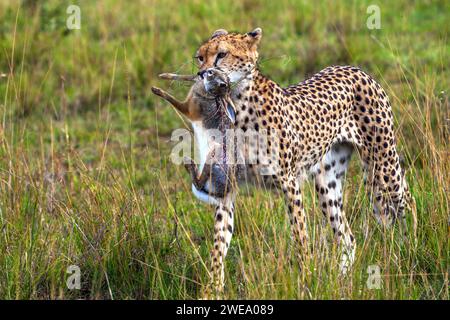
235	54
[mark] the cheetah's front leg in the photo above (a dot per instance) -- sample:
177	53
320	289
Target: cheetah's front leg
297	217
223	231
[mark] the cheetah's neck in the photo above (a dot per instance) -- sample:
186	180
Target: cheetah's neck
251	92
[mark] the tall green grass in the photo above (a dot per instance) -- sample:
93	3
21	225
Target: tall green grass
85	173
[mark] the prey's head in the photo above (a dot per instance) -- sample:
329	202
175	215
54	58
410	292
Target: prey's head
234	53
216	82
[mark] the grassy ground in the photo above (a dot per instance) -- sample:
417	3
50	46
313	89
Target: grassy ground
85	173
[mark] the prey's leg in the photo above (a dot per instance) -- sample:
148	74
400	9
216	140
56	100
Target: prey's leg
179	77
198	179
181	106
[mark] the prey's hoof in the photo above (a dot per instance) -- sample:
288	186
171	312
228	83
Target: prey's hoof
187	160
158	91
189	165
167	76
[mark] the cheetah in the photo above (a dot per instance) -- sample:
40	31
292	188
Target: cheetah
313	128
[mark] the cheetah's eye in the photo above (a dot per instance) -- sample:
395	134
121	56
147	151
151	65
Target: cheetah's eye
200	59
221	55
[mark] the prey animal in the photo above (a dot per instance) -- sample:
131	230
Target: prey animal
209	105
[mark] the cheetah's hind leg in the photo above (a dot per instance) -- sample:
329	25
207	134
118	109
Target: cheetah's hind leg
388	189
329	186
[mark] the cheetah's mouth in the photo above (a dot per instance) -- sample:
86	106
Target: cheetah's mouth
236	76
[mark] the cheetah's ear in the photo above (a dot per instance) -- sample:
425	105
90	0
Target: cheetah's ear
255	36
219	32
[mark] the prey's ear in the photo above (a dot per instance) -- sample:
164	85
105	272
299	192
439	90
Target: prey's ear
219	32
231	110
254	37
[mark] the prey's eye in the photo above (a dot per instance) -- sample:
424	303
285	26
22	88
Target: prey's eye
221	55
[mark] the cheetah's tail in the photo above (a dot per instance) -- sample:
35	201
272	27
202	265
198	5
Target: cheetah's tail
411	206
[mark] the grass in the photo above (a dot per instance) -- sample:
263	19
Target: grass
85	171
